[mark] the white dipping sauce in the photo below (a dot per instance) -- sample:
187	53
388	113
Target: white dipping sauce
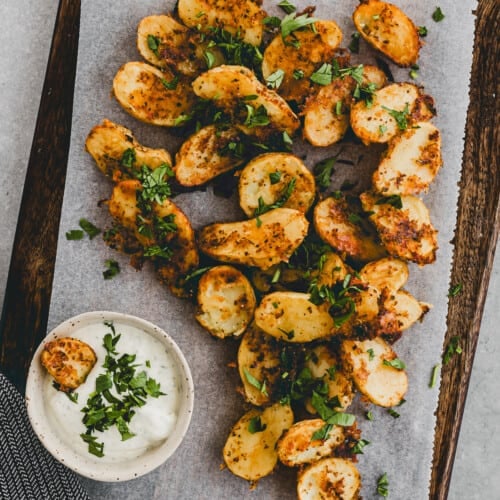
151	424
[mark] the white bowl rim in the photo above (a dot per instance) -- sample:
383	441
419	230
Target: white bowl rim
88	466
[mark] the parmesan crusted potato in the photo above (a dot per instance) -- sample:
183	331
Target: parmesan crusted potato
386	274
261	242
399	311
142	90
297	446
368	362
329	478
242	18
388	29
267	178
333	270
394	108
226	301
68	361
108	142
250	450
411	161
406	232
201	157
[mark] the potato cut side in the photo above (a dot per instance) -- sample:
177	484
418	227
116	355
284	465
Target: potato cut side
230	86
406	232
258	359
378	123
411	162
226	301
123	204
201	157
142	91
386	274
399	311
68	361
329	478
333	270
239	17
297	446
383	384
117	152
276	177
261	242
292	317
338	223
388	29
310	49
253	455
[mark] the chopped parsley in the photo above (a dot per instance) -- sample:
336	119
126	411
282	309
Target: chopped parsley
274	80
323	75
260	386
170	85
401	117
74	234
395	363
298	74
371	354
291	22
158	251
358	447
154	44
256	117
434	375
455	290
255	425
422	31
323	172
354	44
287	6
393	200
452	349
438	15
128	158
91	230
155	185
112	269
209	59
383	485
369	415
275	177
283	198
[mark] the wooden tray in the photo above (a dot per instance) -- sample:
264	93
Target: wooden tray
27	299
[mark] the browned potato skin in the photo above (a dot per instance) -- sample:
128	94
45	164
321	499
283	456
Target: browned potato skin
68	361
388	29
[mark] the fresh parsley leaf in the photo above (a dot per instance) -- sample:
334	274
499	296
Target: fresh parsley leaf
291	22
383	485
255	425
323	75
155	185
342	419
371	354
354	44
74	234
256	117
152	387
393	413
287	6
274	80
438	15
358	447
401	117
283	198
260	386
452	349
434	375
275	177
157	251
298	74
94	447
128	158
422	31
172	84
369	415
209	58
89	228
154	44
323	172
455	290
382	129
112	269
393	200
395	363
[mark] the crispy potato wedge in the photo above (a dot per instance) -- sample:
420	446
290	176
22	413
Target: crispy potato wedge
142	91
258	357
261	242
297	446
226	301
389	30
329	478
381	383
377	123
386	274
266	179
292	317
68	361
399	311
239	17
338	223
406	232
253	455
309	50
107	144
123	205
201	156
229	86
411	161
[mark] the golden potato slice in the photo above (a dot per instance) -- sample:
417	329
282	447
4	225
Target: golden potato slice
388	29
292	317
231	86
108	142
258	357
394	108
142	91
338	223
411	162
399	311
261	242
68	361
123	205
309	49
386	274
272	177
201	156
226	301
367	362
329	478
332	271
250	452
406	232
239	17
297	446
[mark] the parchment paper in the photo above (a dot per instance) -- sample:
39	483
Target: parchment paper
401	447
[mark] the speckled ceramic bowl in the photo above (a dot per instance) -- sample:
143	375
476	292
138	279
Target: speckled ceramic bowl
85	463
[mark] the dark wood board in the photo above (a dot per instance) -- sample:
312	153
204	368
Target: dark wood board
28	292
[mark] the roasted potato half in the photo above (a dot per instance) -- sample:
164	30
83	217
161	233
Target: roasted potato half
329	478
411	161
108	142
68	361
250	450
368	362
261	242
389	30
333	270
406	232
273	177
226	301
151	95
386	274
399	311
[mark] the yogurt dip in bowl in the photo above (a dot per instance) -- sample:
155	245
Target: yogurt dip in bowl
131	412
